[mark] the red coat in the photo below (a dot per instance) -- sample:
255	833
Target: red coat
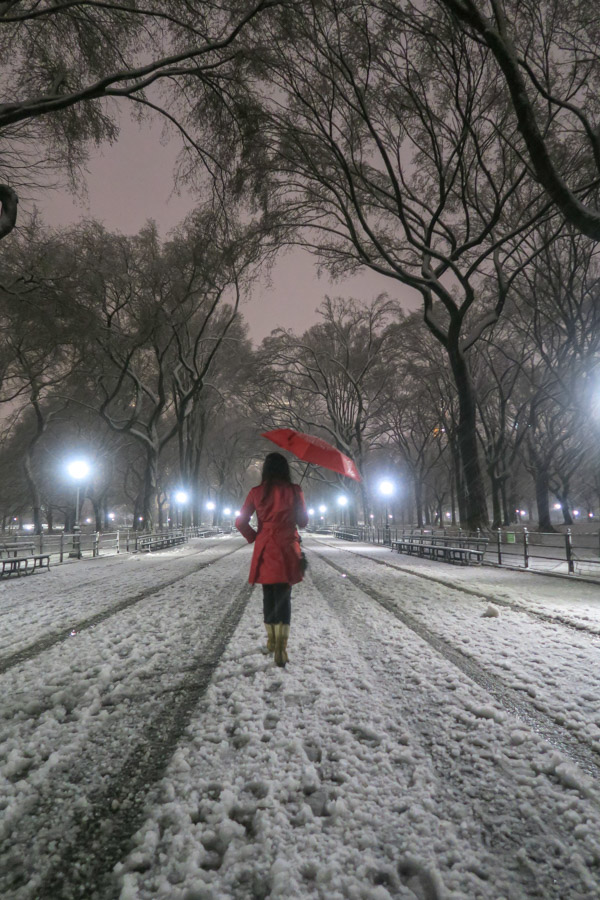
276	556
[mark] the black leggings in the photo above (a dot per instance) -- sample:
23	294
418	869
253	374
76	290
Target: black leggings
277	603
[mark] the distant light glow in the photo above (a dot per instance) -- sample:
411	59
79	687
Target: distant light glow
78	469
236	513
322	509
557	506
227	511
210	505
575	512
181	497
28	527
386	488
311	511
342	500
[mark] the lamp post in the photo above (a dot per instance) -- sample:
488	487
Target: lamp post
181	498
386	489
343	503
227	514
211	508
78	469
323	510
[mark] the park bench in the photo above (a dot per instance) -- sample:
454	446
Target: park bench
345	535
159	541
22	549
24	565
461	549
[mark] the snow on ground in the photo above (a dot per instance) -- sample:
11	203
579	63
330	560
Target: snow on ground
435	735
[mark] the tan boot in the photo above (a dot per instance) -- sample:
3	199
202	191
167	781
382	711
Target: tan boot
282	633
270	629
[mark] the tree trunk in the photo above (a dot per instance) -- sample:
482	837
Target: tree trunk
542	500
34	493
496	485
566	513
98	508
149	503
452	499
419	500
476	513
506	520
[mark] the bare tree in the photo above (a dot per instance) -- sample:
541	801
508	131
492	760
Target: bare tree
156	318
549	56
335	374
67	62
387	136
38	346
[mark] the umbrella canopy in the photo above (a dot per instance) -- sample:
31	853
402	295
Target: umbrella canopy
313	450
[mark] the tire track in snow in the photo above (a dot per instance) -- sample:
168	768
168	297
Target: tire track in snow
556	733
50	640
490	805
489	598
82	864
108	562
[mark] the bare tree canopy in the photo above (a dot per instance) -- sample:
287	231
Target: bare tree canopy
64	64
549	55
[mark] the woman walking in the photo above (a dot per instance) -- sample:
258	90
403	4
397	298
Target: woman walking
279	507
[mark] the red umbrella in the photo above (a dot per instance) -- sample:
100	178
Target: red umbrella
313	450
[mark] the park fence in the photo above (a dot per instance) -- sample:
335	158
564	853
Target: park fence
62	547
567	552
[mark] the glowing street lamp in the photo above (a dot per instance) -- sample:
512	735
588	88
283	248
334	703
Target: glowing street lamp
342	502
181	498
78	469
211	508
386	489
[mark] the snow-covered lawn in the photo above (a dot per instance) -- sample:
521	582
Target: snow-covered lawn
436	733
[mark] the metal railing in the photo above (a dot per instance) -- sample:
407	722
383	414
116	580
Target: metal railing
63	546
565	552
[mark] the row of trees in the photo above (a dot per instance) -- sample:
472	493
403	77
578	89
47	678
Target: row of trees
134	352
450	145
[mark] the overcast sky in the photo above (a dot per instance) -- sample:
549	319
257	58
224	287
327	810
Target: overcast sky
131	182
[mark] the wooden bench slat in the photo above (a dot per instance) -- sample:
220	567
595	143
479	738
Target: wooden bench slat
24	565
455	551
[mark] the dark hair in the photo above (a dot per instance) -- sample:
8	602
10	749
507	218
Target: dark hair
275	468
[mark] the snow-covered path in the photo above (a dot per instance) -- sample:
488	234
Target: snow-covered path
435	735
